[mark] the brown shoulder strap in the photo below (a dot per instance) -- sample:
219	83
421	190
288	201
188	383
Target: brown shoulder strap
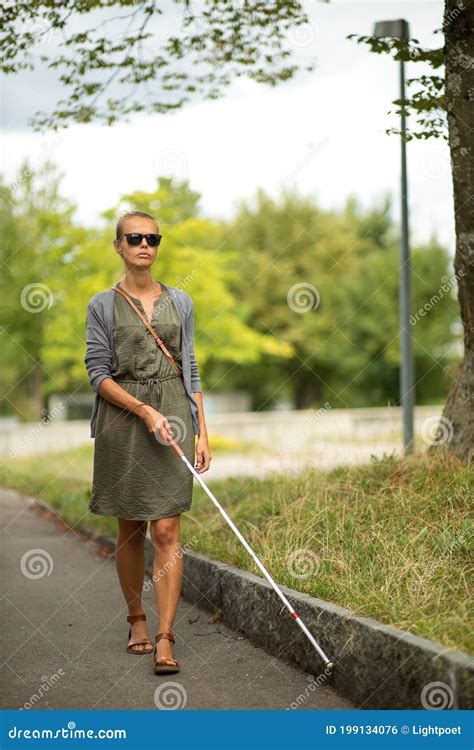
155	335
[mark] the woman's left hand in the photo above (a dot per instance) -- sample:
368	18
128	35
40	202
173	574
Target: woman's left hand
203	454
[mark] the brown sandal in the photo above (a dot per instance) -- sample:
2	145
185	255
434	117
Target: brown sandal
160	666
130	649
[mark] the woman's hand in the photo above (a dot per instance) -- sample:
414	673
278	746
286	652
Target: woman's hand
156	422
203	454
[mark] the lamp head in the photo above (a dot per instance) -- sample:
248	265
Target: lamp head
398	29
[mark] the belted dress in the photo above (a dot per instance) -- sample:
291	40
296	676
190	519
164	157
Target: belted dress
136	475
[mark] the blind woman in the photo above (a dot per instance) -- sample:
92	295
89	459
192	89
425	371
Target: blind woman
145	395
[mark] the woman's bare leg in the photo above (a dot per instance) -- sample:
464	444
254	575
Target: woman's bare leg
130	564
168	568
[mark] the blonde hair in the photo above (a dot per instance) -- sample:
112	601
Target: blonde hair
118	228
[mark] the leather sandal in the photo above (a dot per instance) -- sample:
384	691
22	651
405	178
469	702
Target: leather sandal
160	666
130	649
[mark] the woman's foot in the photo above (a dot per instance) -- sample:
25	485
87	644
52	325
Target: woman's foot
138	633
163	655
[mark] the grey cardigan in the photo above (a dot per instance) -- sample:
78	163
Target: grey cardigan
100	347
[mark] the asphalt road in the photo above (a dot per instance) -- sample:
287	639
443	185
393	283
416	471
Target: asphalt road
65	633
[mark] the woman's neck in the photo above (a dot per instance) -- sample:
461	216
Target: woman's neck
139	284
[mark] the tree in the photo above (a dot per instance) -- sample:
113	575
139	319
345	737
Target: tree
36	224
327	284
459	49
140	69
451	100
42	335
225	42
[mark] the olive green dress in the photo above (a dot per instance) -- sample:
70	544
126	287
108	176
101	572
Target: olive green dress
136	475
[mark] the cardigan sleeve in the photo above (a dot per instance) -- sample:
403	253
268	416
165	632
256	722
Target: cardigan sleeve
195	379
98	358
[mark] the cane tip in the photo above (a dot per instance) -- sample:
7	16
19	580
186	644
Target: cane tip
330	665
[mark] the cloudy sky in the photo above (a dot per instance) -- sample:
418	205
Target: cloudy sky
323	131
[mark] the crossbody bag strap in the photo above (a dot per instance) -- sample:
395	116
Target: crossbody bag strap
153	333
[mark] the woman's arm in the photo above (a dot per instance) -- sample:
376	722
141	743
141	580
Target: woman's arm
98	358
98	361
189	328
154	420
202	421
203	452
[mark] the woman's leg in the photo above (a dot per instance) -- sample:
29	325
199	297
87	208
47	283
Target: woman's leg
130	564
167	577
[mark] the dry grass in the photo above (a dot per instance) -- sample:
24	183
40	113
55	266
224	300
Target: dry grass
391	539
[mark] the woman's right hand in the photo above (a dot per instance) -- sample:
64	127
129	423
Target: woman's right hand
156	422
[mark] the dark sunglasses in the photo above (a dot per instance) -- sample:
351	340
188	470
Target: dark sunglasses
135	238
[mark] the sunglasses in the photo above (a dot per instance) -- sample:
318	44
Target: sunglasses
135	238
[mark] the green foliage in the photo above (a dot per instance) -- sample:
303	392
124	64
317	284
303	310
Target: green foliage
427	104
346	347
120	62
36	223
52	268
109	76
250	280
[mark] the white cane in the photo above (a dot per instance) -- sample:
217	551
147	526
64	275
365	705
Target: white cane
329	664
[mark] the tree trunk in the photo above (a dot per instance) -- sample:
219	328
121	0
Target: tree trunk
307	389
457	422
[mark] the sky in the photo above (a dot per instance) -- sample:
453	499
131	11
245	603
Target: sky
322	132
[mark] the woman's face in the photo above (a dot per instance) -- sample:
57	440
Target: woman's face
141	255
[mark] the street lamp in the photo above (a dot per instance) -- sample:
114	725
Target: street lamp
399	30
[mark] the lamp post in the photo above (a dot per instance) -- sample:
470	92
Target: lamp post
399	30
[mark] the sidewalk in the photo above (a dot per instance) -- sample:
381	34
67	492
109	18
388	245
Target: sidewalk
65	633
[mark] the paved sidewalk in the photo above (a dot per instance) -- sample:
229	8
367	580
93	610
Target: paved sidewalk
65	632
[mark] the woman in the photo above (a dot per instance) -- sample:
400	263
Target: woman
140	394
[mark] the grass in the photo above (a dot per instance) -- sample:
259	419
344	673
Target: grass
391	539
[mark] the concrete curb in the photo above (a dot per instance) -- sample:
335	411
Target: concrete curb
376	665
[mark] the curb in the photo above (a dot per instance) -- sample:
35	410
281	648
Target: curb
377	666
